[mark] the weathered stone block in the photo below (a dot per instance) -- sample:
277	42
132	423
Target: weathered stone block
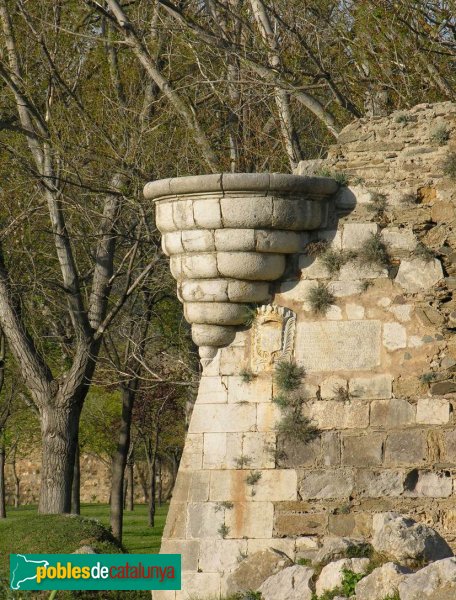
222	418
300	524
394	336
296	291
250	519
449	438
354	311
292	583
298	454
340	289
247	212
235	240
183	214
164	216
325	484
312	268
268	415
259	447
334	414
232	360
329	387
255	569
214	455
199	266
335	346
287	242
257	390
192	456
250	265
352	525
434	484
275	485
198	240
176	521
220	555
189	550
373	387
199	486
433	411
416	275
216	313
392	413
382	582
405	448
330	449
204	290
354	271
193	583
402	312
362	450
377	484
207	213
247	291
212	390
355	234
399	239
172	243
203	520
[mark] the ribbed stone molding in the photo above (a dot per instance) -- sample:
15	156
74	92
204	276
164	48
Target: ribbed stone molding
228	236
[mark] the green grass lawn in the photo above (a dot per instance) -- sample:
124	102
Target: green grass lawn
138	537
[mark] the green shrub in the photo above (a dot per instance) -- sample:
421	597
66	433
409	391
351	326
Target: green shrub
440	135
364	550
373	251
423	252
246	376
295	426
349	581
334	261
253	477
288	375
449	166
341	177
320	298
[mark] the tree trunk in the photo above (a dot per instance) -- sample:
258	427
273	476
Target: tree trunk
17	482
2	484
152	500
59	435
76	488
131	487
119	461
160	482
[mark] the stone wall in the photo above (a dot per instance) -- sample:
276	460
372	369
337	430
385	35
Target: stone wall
379	381
95	480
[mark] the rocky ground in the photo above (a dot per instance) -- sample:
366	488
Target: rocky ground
404	560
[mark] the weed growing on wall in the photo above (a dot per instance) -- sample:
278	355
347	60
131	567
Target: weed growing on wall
242	462
316	248
440	135
378	204
223	530
320	298
449	166
341	177
423	252
293	424
247	376
334	261
374	252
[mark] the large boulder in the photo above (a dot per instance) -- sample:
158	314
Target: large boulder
293	583
334	548
332	575
255	569
437	581
404	540
382	582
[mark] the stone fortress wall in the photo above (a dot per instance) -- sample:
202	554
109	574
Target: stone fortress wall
380	370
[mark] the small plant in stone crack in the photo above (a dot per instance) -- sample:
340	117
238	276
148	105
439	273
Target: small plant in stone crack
316	248
365	285
363	550
320	298
440	135
449	165
242	462
409	198
277	454
333	261
423	252
253	477
374	252
288	376
250	314
378	204
341	177
223	530
428	377
344	509
341	394
223	506
242	556
247	376
403	118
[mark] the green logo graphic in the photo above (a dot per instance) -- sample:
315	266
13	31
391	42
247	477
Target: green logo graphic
95	571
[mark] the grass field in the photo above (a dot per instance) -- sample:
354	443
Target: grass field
138	537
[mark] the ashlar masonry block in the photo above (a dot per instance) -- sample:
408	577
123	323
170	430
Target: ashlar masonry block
220	418
250	519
